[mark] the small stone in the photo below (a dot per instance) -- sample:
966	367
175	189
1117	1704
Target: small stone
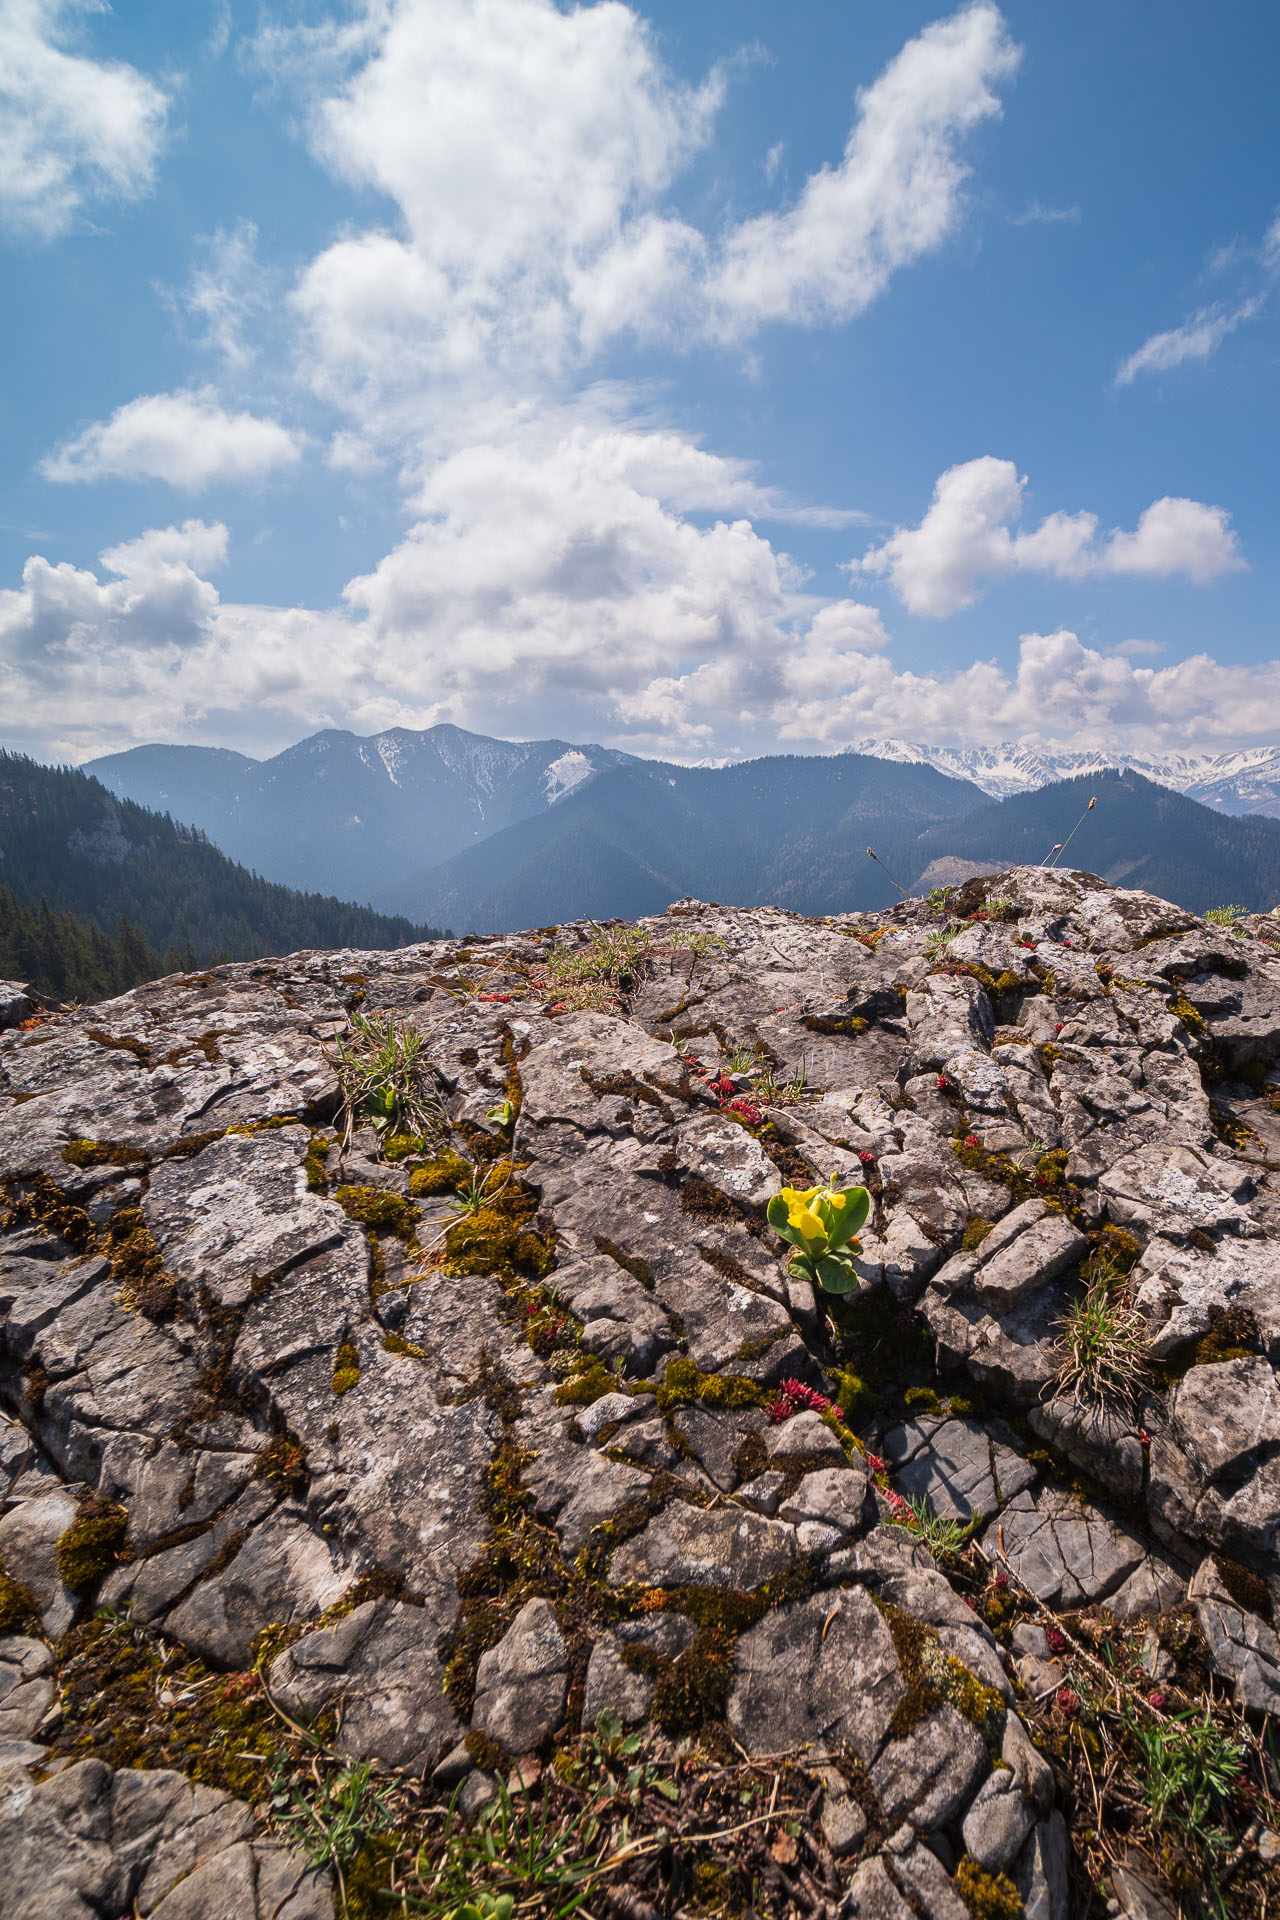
843	1824
806	1436
763	1493
998	1822
523	1682
834	1496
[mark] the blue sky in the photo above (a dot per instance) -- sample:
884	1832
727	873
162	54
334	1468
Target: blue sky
698	379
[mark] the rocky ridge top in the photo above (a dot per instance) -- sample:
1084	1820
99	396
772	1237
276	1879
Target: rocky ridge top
462	1438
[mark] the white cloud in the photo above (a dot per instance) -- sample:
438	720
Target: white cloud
66	635
1200	336
226	291
965	542
186	439
894	196
1036	213
72	129
558	585
525	150
1256	268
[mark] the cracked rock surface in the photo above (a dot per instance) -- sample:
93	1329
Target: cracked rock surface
490	1465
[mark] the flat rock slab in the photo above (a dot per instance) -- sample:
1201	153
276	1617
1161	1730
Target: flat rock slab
88	1842
821	1671
1071	1554
686	1545
1243	1649
956	1466
523	1682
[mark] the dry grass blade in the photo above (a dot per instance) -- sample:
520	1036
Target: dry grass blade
1104	1343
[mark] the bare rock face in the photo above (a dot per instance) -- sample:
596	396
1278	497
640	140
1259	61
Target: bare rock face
520	1419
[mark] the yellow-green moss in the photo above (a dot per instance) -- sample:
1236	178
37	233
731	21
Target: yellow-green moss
447	1173
499	1239
137	1267
346	1367
988	1896
975	1233
102	1153
584	1388
92	1544
313	1165
1182	1009
683	1383
379	1210
922	1400
934	1677
19	1608
396	1343
855	1399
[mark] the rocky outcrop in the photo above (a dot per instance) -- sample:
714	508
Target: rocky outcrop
518	1417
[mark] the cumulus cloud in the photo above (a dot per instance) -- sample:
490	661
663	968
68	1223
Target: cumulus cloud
966	542
187	439
894	196
526	151
72	129
561	588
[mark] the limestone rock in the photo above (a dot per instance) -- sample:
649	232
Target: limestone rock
522	1683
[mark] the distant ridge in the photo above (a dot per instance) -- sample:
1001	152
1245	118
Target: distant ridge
350	814
1245	780
68	847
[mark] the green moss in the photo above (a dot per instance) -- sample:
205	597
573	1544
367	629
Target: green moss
282	1463
448	1172
1183	1010
988	1896
396	1343
922	1400
855	1399
975	1232
630	1263
102	1153
19	1608
92	1544
934	1677
346	1367
313	1164
683	1382
379	1210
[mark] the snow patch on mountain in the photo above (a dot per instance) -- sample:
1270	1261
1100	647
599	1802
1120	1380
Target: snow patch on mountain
564	774
1243	781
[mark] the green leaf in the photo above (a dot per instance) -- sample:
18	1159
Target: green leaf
668	1789
837	1273
849	1218
776	1214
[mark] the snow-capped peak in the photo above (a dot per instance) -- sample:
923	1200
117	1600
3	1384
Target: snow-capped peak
1243	780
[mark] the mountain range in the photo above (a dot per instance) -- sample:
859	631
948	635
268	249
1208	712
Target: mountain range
456	828
1240	782
340	814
